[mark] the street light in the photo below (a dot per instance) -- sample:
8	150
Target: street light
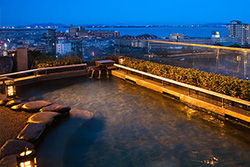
10	89
121	59
27	158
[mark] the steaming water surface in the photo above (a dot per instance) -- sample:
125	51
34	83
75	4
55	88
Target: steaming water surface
134	127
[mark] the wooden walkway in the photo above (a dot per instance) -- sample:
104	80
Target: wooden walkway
42	74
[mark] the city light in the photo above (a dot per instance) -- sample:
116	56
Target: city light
121	60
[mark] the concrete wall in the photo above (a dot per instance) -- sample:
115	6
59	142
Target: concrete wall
21	59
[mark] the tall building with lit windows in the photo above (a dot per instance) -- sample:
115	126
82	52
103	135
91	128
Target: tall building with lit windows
236	29
63	48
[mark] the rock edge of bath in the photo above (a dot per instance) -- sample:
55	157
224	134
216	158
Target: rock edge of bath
46	115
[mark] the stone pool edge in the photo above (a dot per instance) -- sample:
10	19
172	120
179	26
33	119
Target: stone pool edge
33	133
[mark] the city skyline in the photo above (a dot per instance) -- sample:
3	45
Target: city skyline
115	12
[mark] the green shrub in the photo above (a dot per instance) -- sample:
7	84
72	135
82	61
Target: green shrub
68	60
215	82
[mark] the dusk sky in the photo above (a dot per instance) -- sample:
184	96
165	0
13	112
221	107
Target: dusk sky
132	12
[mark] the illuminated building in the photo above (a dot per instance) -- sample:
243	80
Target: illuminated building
98	34
69	45
63	48
215	34
176	36
238	30
40	39
74	30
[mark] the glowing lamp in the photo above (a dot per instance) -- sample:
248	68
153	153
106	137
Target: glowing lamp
10	90
27	158
121	59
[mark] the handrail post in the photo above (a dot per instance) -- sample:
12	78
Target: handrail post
4	86
222	101
36	73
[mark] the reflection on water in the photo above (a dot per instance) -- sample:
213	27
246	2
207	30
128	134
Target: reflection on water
134	126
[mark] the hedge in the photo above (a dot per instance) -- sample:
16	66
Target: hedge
231	86
68	60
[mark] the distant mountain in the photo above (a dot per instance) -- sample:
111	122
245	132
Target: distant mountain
216	24
155	25
59	25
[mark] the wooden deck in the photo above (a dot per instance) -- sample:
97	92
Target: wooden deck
41	74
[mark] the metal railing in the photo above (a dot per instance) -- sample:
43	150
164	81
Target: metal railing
218	99
194	44
198	54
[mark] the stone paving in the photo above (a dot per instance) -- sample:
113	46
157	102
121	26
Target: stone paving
11	123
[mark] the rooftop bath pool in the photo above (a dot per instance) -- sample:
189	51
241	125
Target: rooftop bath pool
133	127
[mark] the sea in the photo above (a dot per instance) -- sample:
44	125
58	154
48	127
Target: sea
160	32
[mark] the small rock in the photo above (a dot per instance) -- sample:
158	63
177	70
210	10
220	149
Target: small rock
56	108
17	107
35	106
13	102
32	132
8	161
3	102
14	146
3	99
83	114
46	118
